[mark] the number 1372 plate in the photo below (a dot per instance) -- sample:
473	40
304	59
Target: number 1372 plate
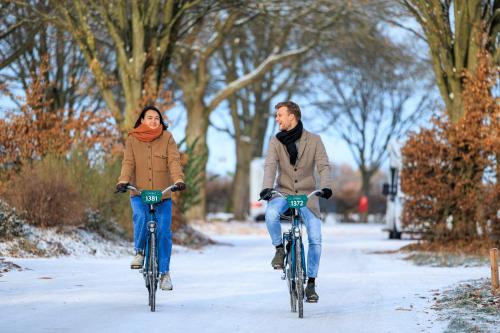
297	201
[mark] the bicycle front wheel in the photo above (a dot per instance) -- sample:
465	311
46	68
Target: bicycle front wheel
291	282
299	277
152	272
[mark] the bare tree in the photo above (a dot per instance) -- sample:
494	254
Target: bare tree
127	45
201	96
374	91
69	86
455	32
251	108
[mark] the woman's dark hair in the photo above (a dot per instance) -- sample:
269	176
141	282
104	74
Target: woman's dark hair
143	114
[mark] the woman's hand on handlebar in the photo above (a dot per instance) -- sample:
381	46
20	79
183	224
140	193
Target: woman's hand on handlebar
179	186
121	187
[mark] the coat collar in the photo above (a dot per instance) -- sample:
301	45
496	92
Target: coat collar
302	144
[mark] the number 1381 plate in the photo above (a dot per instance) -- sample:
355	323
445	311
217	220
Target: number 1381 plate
151	197
297	201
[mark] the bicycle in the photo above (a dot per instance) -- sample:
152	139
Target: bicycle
294	269
150	266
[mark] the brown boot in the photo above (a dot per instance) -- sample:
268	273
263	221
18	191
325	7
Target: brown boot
311	296
279	258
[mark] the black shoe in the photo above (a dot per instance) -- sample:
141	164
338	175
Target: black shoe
311	296
279	258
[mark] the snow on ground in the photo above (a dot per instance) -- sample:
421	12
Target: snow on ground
71	241
232	288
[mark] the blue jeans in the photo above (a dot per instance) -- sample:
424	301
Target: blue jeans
313	226
163	212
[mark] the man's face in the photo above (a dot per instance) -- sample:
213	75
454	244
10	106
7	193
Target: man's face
152	119
285	120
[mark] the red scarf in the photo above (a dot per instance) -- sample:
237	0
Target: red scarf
145	133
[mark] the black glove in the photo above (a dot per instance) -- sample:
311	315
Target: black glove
179	186
325	193
266	194
121	187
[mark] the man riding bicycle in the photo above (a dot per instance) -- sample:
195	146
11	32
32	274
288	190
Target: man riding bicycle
294	152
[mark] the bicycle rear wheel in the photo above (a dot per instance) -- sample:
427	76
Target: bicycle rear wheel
152	272
299	277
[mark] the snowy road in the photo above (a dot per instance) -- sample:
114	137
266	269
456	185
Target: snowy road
231	289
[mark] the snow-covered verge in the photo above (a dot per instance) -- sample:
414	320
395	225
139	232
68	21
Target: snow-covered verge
69	241
20	239
436	259
98	238
469	306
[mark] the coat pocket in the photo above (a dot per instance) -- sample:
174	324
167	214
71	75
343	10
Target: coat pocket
159	162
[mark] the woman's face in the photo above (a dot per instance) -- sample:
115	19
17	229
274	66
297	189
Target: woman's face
151	119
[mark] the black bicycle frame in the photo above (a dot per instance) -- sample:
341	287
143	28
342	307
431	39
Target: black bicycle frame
292	236
152	225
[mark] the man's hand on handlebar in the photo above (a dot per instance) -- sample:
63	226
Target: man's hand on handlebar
266	194
325	193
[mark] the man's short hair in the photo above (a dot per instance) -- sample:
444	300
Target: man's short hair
292	108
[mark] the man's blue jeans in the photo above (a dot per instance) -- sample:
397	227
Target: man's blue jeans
163	212
279	205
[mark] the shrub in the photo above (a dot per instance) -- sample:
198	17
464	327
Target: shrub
106	227
219	193
11	224
46	194
451	171
60	191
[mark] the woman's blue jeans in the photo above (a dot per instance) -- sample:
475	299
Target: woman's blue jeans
163	213
277	206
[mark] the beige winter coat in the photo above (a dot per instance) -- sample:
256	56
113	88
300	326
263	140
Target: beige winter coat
151	165
298	179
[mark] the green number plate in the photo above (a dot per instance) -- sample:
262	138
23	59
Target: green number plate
151	197
297	201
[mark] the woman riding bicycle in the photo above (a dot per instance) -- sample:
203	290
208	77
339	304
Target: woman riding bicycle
151	161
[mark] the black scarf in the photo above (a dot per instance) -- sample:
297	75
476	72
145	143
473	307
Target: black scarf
288	138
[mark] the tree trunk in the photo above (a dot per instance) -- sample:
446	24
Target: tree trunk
241	184
196	129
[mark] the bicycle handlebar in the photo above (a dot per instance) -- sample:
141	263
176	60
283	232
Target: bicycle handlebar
171	188
284	195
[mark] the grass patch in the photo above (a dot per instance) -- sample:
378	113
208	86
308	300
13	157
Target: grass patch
449	254
470	307
445	259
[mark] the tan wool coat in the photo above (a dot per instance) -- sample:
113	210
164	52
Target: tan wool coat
151	165
298	178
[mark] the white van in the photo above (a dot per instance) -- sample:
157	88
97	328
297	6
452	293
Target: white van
393	192
257	208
